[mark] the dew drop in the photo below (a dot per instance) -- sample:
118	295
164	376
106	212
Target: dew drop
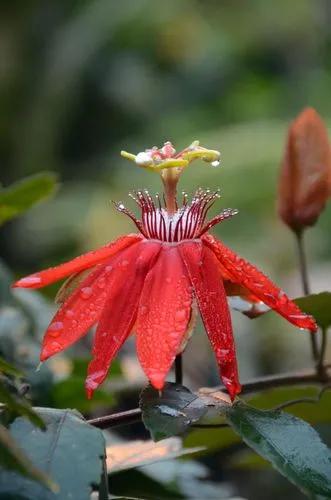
215	163
143	309
93	380
124	263
101	283
180	315
108	269
30	280
55	346
69	313
86	292
55	328
167	410
116	339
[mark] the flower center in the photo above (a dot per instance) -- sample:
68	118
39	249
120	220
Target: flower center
186	222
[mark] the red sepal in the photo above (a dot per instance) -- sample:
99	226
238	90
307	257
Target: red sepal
247	275
120	309
206	279
163	315
85	261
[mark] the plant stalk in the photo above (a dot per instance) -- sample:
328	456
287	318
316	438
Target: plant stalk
179	369
305	285
256	385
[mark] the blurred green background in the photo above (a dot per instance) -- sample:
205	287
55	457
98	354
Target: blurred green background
81	80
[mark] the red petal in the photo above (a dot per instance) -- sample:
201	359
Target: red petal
84	306
207	281
78	264
163	315
78	313
245	274
120	310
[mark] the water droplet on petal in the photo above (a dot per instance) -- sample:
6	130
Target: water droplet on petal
69	313
55	346
180	315
55	328
143	309
93	380
30	280
101	283
86	292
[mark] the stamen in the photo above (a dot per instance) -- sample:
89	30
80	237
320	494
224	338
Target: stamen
226	214
187	222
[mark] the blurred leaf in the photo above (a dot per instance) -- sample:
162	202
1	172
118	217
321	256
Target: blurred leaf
292	446
19	406
319	306
125	456
9	369
13	459
71	392
181	478
134	484
19	197
172	412
6	279
247	459
314	412
36	309
70	451
211	440
79	367
24	316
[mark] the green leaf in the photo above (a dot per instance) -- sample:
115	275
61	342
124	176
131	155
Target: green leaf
319	306
172	412
70	451
313	412
19	197
13	459
9	369
291	445
19	406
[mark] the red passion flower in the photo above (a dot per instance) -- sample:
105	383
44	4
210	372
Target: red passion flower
149	283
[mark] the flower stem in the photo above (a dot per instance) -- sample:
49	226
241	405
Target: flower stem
303	262
179	369
320	364
170	177
305	284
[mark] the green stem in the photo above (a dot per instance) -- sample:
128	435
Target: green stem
305	285
320	364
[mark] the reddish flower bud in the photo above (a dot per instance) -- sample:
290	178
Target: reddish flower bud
304	183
